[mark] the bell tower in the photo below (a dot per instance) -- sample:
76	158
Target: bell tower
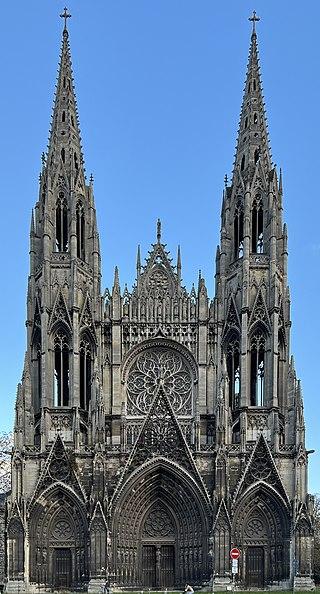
251	279
64	282
259	412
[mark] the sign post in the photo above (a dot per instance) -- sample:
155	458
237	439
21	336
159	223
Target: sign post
234	555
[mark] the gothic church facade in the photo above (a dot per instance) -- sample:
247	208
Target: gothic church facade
157	428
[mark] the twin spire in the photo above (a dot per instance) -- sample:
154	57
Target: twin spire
253	142
65	141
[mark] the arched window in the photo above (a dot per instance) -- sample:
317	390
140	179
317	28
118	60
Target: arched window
38	373
85	351
257	362
75	157
80	231
256	155
61	224
243	160
281	367
236	431
257	225
233	369
63	155
238	231
61	378
63	116
255	118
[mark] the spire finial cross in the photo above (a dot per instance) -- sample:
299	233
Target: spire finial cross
158	230
65	15
254	19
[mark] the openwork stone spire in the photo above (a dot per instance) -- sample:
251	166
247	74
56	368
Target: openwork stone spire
65	141
253	142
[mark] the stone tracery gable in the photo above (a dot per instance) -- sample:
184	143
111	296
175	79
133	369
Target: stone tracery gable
152	366
57	469
261	468
160	437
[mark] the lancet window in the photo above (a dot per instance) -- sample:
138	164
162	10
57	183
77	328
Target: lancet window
233	369
80	230
257	226
85	352
281	367
258	360
61	224
61	378
238	231
38	373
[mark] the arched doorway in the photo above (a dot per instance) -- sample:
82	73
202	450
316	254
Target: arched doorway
261	530
58	540
160	525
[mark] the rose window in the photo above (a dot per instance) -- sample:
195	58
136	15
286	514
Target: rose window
148	370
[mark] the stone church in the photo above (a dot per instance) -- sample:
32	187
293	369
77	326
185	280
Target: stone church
159	427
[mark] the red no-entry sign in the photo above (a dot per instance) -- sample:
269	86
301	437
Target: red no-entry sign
235	553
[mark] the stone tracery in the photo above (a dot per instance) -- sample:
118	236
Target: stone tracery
151	367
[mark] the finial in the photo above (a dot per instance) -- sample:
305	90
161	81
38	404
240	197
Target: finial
179	258
138	259
43	159
91	179
158	230
225	180
65	15
254	19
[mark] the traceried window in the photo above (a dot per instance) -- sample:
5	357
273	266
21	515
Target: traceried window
258	348
85	352
149	369
238	231
233	369
61	224
257	225
61	379
80	231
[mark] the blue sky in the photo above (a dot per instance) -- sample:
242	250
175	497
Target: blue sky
159	86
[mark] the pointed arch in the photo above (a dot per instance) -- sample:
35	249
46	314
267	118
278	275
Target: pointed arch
238	230
231	347
58	518
160	487
257	225
61	366
86	355
62	224
257	367
15	535
262	519
80	229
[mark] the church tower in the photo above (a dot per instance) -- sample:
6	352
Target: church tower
155	427
258	398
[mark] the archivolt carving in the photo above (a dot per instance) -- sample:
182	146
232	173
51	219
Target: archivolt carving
149	368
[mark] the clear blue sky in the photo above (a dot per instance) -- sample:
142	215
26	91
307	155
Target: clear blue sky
159	86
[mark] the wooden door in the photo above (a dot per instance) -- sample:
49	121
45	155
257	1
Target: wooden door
62	568
255	567
167	566
149	566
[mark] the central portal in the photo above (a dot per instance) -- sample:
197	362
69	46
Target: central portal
158	565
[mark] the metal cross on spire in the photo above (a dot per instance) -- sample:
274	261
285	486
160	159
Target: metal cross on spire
65	15
254	19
